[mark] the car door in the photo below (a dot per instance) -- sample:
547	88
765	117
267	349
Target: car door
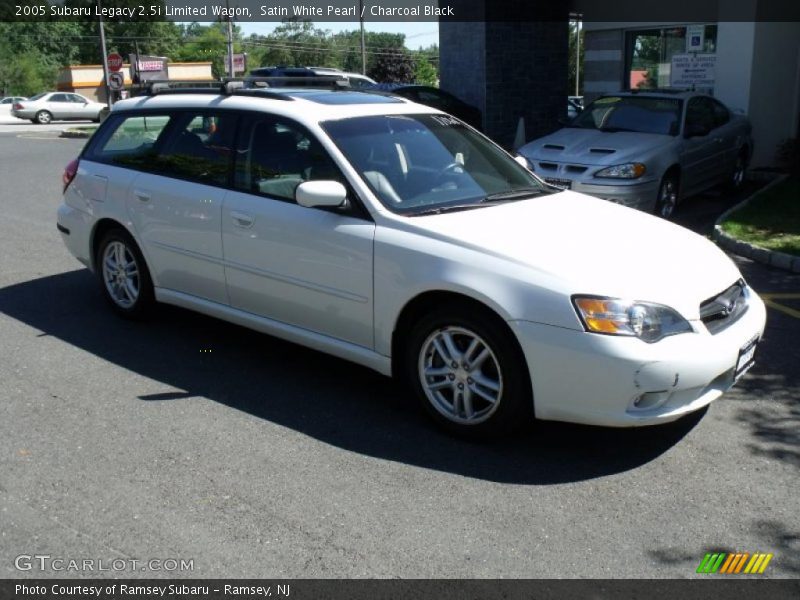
60	106
175	204
307	267
82	108
699	156
726	135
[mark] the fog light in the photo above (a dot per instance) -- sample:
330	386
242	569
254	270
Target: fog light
650	400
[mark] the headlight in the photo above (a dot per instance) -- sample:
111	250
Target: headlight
626	171
645	320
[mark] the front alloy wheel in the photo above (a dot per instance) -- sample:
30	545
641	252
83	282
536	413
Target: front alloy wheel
468	371
460	375
667	197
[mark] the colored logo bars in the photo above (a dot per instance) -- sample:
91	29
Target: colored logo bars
732	564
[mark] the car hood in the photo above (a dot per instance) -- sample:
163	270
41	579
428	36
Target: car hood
584	245
593	147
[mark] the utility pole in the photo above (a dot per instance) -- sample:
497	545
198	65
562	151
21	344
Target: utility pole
363	45
231	72
577	55
104	55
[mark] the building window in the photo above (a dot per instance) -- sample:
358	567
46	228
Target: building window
649	52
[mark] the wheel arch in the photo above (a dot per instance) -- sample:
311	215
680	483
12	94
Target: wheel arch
423	302
99	230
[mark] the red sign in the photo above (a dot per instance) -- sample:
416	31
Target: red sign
114	62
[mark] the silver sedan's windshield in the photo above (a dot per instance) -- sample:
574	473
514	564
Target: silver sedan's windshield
430	163
641	114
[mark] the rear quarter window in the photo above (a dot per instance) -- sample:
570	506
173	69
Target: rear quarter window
126	139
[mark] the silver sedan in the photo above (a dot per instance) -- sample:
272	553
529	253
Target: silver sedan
57	106
647	150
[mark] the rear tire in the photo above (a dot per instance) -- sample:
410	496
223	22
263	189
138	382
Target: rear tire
667	199
468	372
43	117
123	275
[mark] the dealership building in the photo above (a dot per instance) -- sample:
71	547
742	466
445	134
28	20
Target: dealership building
515	72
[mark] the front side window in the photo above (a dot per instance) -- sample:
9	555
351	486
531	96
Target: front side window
275	155
631	113
418	163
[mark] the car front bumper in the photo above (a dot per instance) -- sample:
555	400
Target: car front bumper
596	379
635	195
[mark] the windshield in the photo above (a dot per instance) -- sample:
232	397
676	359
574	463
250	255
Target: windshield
416	163
632	113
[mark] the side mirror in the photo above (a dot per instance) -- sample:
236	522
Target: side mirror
322	193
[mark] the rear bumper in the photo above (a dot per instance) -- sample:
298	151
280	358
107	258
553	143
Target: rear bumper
79	226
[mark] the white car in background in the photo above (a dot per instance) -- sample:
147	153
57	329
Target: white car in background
395	236
57	106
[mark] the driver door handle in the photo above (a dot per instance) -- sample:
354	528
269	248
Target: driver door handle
141	196
242	220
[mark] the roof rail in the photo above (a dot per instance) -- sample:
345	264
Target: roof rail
332	81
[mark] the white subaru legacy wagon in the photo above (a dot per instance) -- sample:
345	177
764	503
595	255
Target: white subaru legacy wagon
395	236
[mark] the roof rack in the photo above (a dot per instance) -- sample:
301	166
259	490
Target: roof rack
262	87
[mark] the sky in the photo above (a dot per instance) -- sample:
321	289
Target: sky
419	34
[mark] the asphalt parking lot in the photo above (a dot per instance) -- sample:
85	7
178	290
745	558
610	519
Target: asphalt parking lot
188	438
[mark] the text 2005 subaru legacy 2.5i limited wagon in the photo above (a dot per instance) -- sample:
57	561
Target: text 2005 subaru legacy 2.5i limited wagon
392	235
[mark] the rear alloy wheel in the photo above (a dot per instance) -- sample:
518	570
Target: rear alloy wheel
123	274
43	117
667	197
468	373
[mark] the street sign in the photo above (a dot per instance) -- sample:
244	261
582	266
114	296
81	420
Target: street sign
693	70
239	63
114	62
116	81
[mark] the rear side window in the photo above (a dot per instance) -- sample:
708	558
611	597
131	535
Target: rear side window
199	148
129	141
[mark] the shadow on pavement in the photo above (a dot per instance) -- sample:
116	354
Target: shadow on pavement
323	397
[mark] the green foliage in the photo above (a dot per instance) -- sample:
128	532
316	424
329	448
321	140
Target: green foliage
425	73
393	68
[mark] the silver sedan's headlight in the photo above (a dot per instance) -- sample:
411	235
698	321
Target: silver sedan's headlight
648	321
626	171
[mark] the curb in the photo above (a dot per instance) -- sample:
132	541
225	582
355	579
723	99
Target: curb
779	260
76	134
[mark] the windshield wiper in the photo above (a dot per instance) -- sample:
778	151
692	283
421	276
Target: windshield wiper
438	210
516	194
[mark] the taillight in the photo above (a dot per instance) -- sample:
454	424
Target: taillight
69	173
17	106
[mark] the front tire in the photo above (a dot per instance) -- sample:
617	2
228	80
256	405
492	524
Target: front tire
43	117
468	372
123	275
667	199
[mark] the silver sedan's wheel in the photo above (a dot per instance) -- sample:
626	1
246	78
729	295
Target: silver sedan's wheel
43	117
121	274
667	197
739	171
460	375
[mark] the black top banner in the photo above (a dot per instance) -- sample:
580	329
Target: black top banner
403	10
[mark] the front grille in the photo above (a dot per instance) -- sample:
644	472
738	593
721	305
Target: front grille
724	309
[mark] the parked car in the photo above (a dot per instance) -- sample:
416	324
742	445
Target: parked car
431	96
393	235
57	106
8	100
648	150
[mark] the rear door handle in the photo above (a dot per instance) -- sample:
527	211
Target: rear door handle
141	196
242	219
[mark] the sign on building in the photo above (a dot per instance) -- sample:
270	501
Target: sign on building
695	38
692	70
149	68
239	63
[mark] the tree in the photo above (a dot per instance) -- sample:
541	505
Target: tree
425	73
575	62
393	68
